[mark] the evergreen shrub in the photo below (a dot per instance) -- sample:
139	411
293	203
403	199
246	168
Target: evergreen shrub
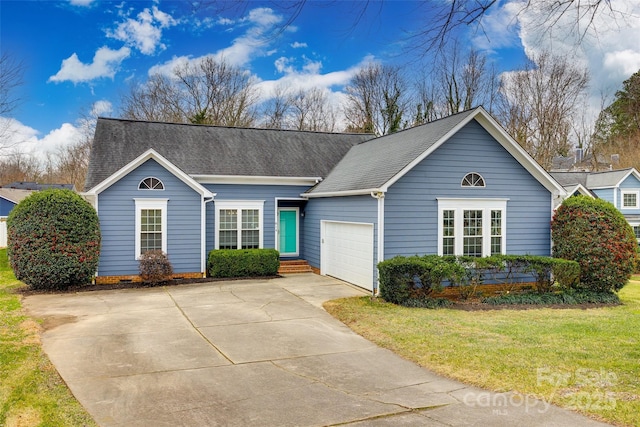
53	240
596	235
243	262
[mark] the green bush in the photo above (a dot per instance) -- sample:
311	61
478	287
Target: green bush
412	280
404	278
53	240
243	262
155	267
596	235
565	298
509	271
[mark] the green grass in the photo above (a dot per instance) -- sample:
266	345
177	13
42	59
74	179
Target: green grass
585	360
31	391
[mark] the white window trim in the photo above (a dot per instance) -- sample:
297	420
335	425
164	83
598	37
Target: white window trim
635	224
460	205
239	205
484	183
151	204
625	192
151	189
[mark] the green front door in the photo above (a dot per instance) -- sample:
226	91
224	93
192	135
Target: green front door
288	227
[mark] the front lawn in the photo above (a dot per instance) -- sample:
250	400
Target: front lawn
31	391
585	360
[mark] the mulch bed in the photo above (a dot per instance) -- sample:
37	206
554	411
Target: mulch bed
25	290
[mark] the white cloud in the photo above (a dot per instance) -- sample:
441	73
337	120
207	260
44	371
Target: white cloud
309	76
498	27
83	3
25	139
105	64
607	47
298	45
253	43
145	32
100	108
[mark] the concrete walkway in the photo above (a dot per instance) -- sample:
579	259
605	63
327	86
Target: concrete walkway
251	353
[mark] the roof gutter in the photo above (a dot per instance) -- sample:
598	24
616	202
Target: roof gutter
362	192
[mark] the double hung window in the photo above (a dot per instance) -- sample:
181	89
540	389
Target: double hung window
629	200
151	225
239	224
471	227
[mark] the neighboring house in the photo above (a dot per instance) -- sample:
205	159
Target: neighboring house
620	187
34	186
9	197
343	202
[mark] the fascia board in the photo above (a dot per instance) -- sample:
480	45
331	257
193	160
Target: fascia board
519	153
255	180
147	155
425	154
362	192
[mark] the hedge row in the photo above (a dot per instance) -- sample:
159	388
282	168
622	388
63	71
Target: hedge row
243	263
408	278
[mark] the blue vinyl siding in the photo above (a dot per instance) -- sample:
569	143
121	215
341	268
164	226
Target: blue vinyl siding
266	193
116	210
630	183
5	206
411	206
606	194
362	209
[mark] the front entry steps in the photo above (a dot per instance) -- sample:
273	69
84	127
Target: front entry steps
294	266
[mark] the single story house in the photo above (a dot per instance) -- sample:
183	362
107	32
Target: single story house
620	187
9	197
342	202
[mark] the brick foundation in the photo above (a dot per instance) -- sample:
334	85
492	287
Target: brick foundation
111	280
453	292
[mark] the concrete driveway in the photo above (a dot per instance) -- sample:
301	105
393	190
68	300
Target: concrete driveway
251	353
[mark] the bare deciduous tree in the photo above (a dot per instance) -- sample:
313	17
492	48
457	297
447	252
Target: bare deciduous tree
311	111
205	92
18	166
376	100
540	104
277	108
458	81
301	110
11	72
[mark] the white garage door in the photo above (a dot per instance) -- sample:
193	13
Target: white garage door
347	252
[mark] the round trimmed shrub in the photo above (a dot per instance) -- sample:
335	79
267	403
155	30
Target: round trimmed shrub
155	267
53	240
596	235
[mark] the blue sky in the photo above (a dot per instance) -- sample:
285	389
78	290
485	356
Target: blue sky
81	55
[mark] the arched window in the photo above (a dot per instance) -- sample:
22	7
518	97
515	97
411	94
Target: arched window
473	179
151	183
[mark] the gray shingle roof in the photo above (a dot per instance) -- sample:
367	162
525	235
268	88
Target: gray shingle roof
215	150
371	164
606	179
570	179
14	195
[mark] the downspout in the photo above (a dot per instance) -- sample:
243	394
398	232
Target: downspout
379	195
203	234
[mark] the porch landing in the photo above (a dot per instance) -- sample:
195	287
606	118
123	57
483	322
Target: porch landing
294	266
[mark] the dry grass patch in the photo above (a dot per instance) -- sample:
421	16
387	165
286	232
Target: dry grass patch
585	360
